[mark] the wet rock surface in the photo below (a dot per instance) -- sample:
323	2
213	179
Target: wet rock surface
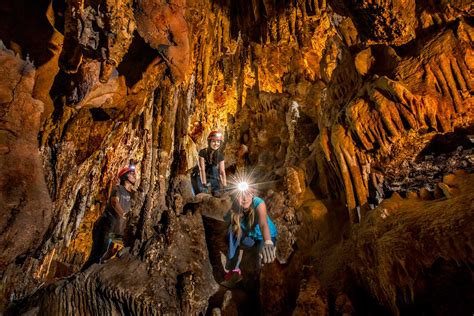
354	119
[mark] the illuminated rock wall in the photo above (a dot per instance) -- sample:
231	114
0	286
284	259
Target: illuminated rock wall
334	105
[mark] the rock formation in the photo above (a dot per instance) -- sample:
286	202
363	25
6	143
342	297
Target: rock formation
354	118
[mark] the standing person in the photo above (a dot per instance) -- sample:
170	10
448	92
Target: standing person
249	227
211	167
108	232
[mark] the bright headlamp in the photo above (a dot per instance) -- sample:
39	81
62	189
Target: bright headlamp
242	186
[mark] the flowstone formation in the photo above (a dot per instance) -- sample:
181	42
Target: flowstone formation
354	118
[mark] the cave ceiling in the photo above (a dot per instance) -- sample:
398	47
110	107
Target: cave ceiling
332	105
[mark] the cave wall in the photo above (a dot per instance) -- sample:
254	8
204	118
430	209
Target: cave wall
314	95
26	204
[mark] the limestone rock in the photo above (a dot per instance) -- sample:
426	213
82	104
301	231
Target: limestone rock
26	206
336	109
162	24
364	61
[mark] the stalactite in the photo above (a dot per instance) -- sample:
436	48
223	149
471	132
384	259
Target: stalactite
319	98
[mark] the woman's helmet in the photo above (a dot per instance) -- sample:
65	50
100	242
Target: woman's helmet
124	171
214	135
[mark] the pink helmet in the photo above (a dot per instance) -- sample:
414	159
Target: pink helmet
215	135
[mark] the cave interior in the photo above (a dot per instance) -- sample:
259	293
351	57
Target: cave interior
353	120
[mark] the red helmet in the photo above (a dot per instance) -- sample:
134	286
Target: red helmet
215	135
124	171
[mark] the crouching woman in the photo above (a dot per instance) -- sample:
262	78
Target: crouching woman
249	228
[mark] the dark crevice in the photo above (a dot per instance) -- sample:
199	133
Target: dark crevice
59	7
445	289
446	143
444	154
423	37
137	59
25	23
163	223
99	115
406	124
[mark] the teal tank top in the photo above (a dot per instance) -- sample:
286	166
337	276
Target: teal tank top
256	233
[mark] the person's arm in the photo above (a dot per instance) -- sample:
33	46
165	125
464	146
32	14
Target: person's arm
202	170
268	251
222	173
115	202
262	221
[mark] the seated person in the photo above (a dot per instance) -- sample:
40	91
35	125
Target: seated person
210	175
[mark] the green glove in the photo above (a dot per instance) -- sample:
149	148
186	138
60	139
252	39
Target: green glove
268	252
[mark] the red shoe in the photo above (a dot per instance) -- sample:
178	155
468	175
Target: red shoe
232	278
231	273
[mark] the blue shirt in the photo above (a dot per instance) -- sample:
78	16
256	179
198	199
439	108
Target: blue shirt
255	233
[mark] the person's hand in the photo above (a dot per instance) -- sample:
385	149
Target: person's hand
268	252
206	188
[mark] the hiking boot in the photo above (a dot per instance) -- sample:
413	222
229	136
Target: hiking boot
234	274
112	251
232	278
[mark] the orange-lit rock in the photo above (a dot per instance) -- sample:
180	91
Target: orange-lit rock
26	207
355	119
162	24
102	31
412	242
312	299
